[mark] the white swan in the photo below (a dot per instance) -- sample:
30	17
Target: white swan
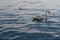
39	18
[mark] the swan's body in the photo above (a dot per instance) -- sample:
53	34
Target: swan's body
37	18
22	8
40	18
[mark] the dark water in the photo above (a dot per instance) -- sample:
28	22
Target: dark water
16	24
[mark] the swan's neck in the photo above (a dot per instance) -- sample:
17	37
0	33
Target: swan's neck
47	14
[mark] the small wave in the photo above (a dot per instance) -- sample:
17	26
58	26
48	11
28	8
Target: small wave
14	35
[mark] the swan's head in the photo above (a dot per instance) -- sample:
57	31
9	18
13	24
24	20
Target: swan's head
47	13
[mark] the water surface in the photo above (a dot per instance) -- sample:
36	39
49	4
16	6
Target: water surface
16	24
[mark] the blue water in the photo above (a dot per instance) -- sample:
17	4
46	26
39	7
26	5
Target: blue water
17	24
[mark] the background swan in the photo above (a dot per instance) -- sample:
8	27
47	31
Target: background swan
40	18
